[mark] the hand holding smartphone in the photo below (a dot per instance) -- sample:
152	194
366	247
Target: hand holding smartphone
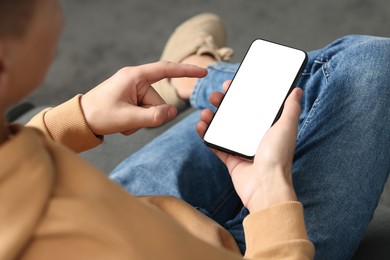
255	98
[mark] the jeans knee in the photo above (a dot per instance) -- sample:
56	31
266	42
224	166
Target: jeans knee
363	65
366	51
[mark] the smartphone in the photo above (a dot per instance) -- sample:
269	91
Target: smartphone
255	98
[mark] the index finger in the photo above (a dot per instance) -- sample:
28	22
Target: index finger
154	72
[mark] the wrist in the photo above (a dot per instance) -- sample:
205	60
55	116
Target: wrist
275	190
84	104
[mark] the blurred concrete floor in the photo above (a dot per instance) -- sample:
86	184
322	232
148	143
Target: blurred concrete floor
101	36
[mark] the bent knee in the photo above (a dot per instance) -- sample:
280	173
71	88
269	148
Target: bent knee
368	54
363	66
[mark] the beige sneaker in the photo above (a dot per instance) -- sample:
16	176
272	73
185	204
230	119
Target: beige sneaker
202	34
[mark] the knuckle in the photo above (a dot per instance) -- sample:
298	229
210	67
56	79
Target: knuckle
157	117
165	63
124	70
131	72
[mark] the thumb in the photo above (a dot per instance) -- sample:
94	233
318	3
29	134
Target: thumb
153	116
292	107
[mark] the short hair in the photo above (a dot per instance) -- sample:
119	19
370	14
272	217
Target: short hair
15	16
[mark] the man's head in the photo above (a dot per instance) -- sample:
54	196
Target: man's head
15	16
29	31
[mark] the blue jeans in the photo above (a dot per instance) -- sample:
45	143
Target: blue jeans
342	157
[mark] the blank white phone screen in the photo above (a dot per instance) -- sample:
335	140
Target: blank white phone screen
253	100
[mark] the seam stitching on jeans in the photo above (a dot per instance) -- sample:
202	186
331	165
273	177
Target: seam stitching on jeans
221	203
309	117
325	63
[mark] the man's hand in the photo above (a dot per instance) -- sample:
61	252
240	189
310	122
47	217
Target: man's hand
267	180
126	102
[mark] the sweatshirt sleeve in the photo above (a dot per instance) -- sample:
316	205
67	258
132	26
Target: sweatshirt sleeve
66	124
278	232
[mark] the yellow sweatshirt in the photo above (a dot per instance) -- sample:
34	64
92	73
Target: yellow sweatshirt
54	205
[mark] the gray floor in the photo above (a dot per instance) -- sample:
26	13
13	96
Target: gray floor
101	36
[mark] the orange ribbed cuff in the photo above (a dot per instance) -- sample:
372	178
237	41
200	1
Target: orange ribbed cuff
66	124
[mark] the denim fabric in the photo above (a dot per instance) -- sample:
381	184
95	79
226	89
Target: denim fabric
342	158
